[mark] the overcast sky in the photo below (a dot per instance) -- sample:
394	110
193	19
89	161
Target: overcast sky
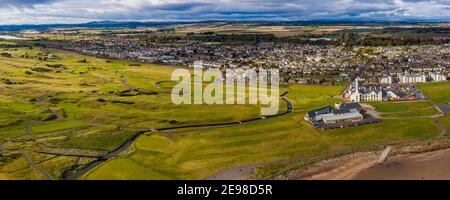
76	11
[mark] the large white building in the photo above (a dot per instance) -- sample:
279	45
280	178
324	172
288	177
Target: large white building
343	113
437	77
407	77
359	93
386	79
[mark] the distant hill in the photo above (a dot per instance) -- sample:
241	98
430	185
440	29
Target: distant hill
134	24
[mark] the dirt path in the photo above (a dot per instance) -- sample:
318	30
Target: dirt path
36	167
30	126
442	130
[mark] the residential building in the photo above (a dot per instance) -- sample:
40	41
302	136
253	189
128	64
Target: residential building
360	93
437	77
407	78
386	79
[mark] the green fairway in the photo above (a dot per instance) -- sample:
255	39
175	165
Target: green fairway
198	154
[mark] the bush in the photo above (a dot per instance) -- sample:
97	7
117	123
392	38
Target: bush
6	55
83	61
41	69
57	66
122	102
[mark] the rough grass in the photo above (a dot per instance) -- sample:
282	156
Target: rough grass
107	141
14	167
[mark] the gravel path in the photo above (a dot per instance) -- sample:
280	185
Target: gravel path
442	130
32	164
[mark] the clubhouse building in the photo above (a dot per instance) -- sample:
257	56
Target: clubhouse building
340	116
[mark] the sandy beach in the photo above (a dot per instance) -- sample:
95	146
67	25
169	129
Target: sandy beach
424	166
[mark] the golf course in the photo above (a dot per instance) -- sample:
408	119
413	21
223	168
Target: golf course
61	111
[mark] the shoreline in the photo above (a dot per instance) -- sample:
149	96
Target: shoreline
363	165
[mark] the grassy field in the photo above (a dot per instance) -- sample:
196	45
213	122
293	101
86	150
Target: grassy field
91	108
198	154
437	92
417	113
54	103
90	93
401	106
6	43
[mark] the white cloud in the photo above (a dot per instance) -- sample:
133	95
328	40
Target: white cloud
76	11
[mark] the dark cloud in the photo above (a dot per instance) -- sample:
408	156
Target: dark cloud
177	6
24	2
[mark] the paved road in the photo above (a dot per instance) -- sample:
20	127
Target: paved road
442	130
